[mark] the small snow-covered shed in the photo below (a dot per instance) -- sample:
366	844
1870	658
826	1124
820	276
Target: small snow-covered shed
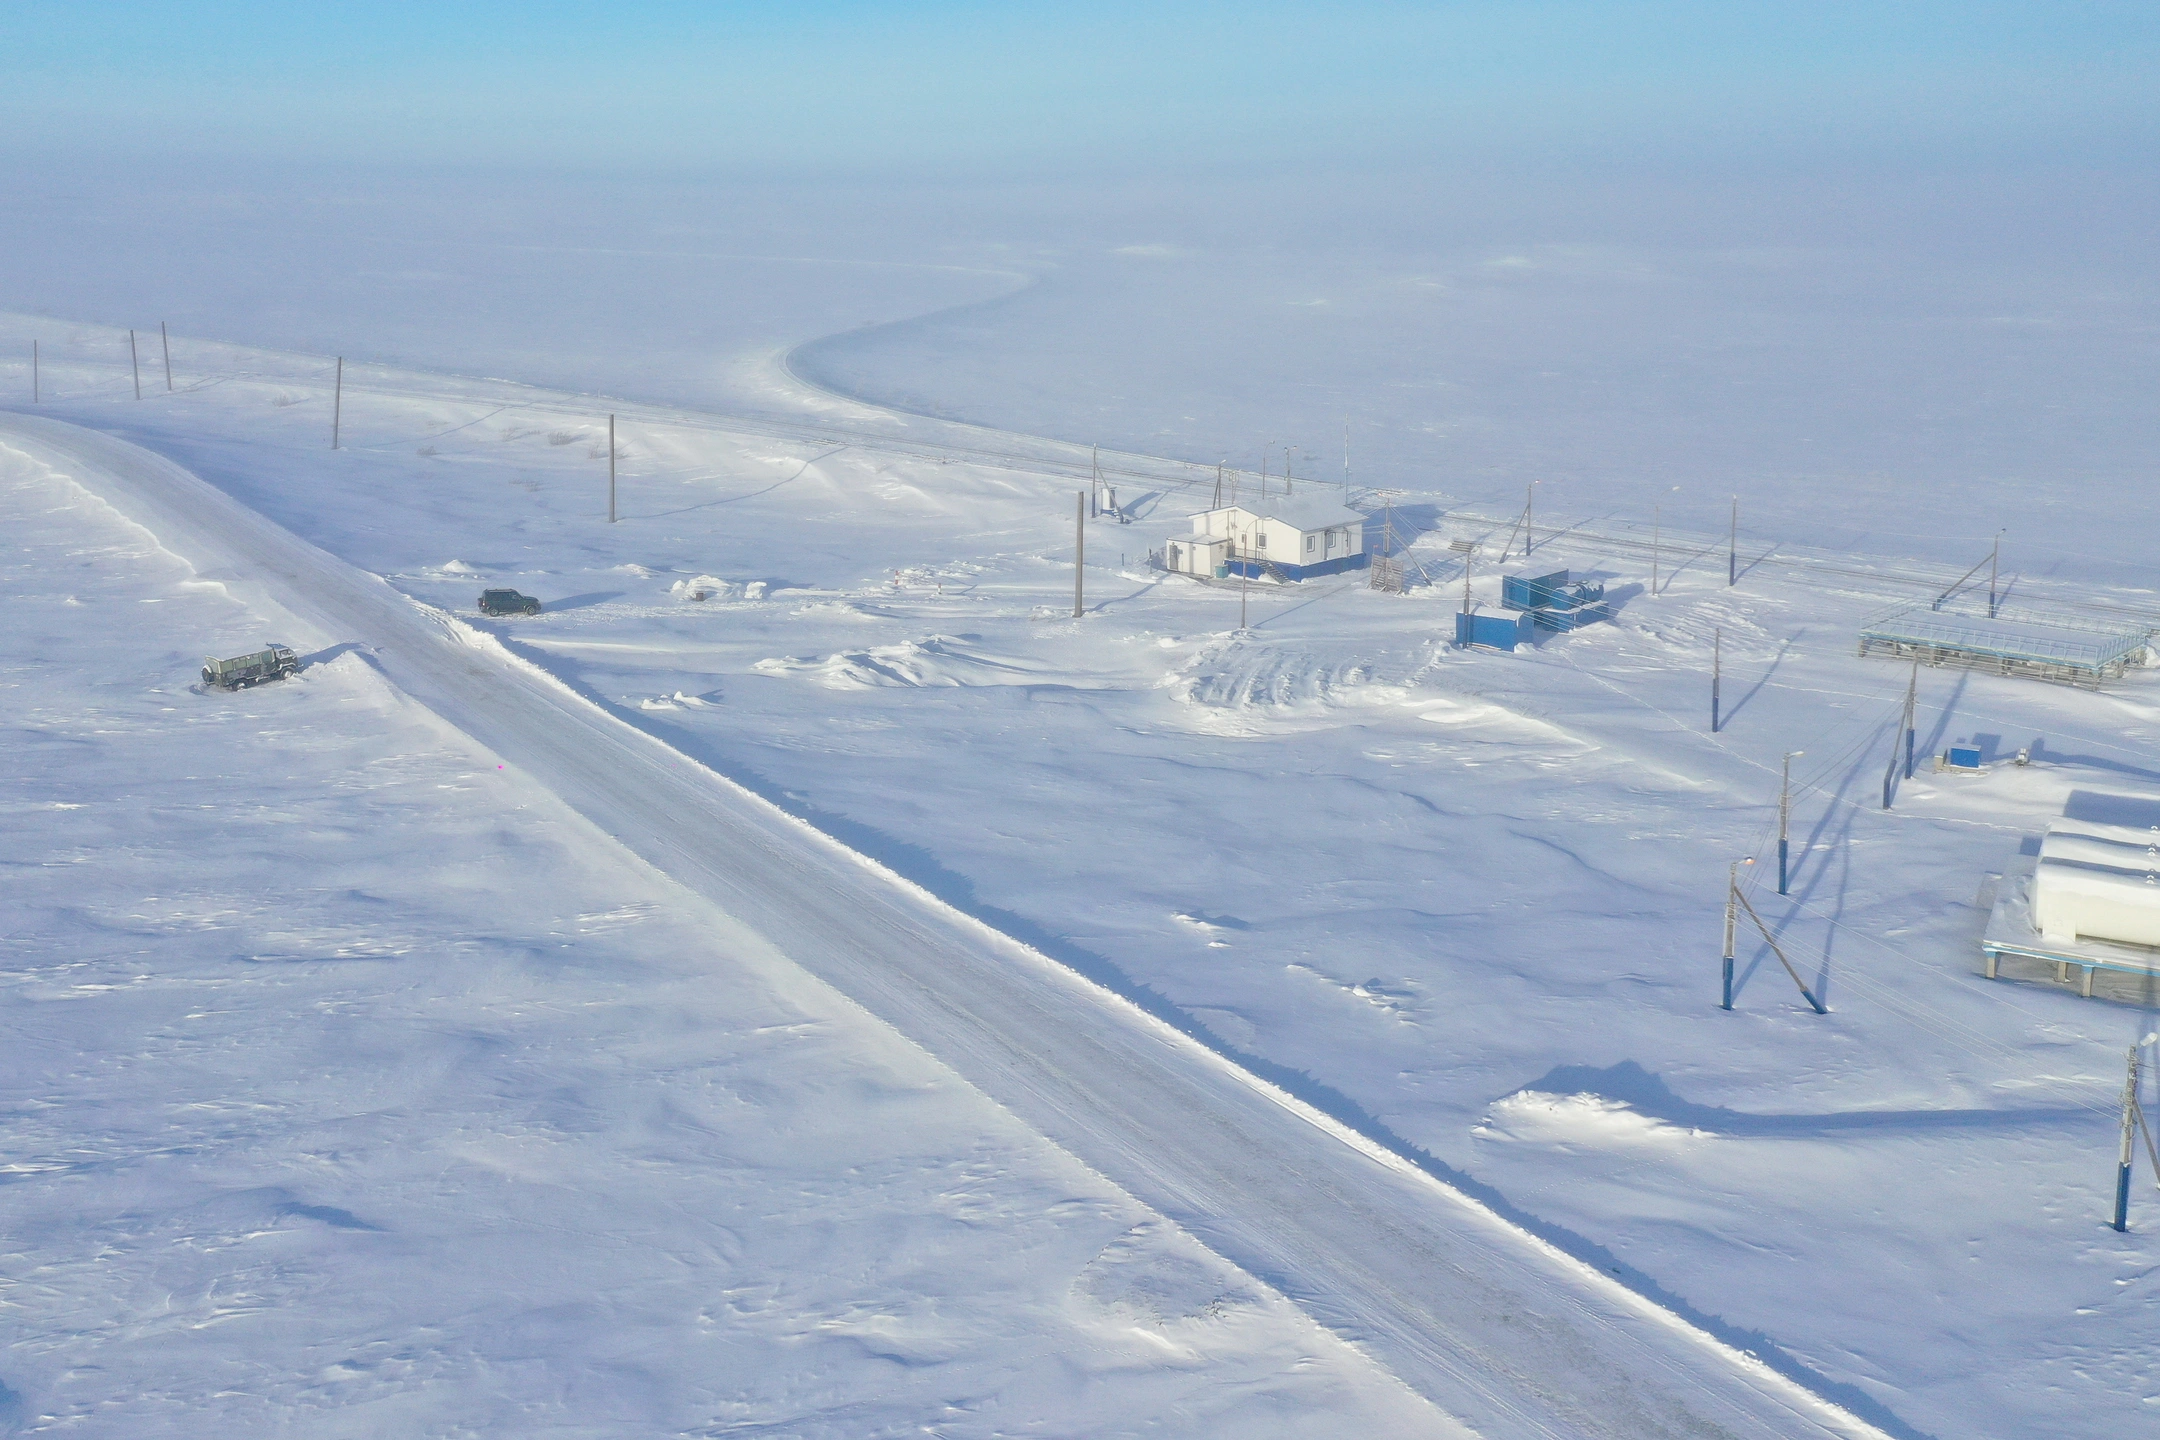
1291	536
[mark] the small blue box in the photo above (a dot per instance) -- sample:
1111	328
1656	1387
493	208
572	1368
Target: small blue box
1963	757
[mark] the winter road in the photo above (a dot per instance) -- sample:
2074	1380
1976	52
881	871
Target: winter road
1497	1328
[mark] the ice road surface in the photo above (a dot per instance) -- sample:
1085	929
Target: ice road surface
1466	903
355	1086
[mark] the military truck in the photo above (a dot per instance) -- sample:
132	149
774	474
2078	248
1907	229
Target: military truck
272	662
507	602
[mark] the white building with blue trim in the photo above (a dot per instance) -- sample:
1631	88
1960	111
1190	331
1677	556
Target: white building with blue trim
1290	537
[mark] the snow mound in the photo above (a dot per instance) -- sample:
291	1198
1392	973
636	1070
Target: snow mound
676	701
1239	686
1152	1278
456	567
938	660
711	587
1591	1121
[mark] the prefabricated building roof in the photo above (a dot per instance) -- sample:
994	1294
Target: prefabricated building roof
2099	882
2038	642
1306	512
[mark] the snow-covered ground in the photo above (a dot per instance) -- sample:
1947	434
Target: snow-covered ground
1467	903
356	1086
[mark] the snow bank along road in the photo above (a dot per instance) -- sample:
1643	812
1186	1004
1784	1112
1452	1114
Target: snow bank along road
1499	1329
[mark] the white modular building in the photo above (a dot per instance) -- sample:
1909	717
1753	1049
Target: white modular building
1288	536
2097	882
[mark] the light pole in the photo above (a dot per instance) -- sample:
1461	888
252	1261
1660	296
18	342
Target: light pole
1732	916
2133	1120
1784	816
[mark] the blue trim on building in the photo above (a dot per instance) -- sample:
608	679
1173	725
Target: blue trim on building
1261	569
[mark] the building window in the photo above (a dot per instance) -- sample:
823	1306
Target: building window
1309	542
1263	539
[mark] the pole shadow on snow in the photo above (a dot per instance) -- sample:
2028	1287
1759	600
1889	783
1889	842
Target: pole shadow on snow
1944	714
1784	649
1744	568
922	867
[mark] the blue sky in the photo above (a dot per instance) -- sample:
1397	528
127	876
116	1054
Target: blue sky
819	85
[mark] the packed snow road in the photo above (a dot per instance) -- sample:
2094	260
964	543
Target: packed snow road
1499	1329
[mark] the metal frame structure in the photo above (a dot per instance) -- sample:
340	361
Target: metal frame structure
2040	649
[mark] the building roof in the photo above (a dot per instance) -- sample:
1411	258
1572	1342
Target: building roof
1307	512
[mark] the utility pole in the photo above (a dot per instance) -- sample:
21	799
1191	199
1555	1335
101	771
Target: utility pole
2130	1120
1287	487
1994	558
1784	819
611	469
1717	674
165	344
1079	548
1891	769
337	403
1528	535
1095	479
1346	459
1912	701
1732	547
1217	505
1732	905
134	365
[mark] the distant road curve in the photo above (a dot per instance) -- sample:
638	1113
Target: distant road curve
1496	1327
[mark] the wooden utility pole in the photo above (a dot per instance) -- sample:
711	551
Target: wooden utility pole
1529	497
2130	1118
1768	939
337	403
1079	553
1890	772
1732	547
1732	908
1784	820
1994	559
611	469
1912	702
165	344
1717	674
134	365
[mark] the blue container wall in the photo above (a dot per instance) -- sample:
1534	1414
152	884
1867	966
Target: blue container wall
1502	632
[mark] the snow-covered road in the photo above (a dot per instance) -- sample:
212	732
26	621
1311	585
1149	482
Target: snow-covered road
1498	1328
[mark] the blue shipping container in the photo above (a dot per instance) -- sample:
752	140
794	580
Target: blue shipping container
1501	632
